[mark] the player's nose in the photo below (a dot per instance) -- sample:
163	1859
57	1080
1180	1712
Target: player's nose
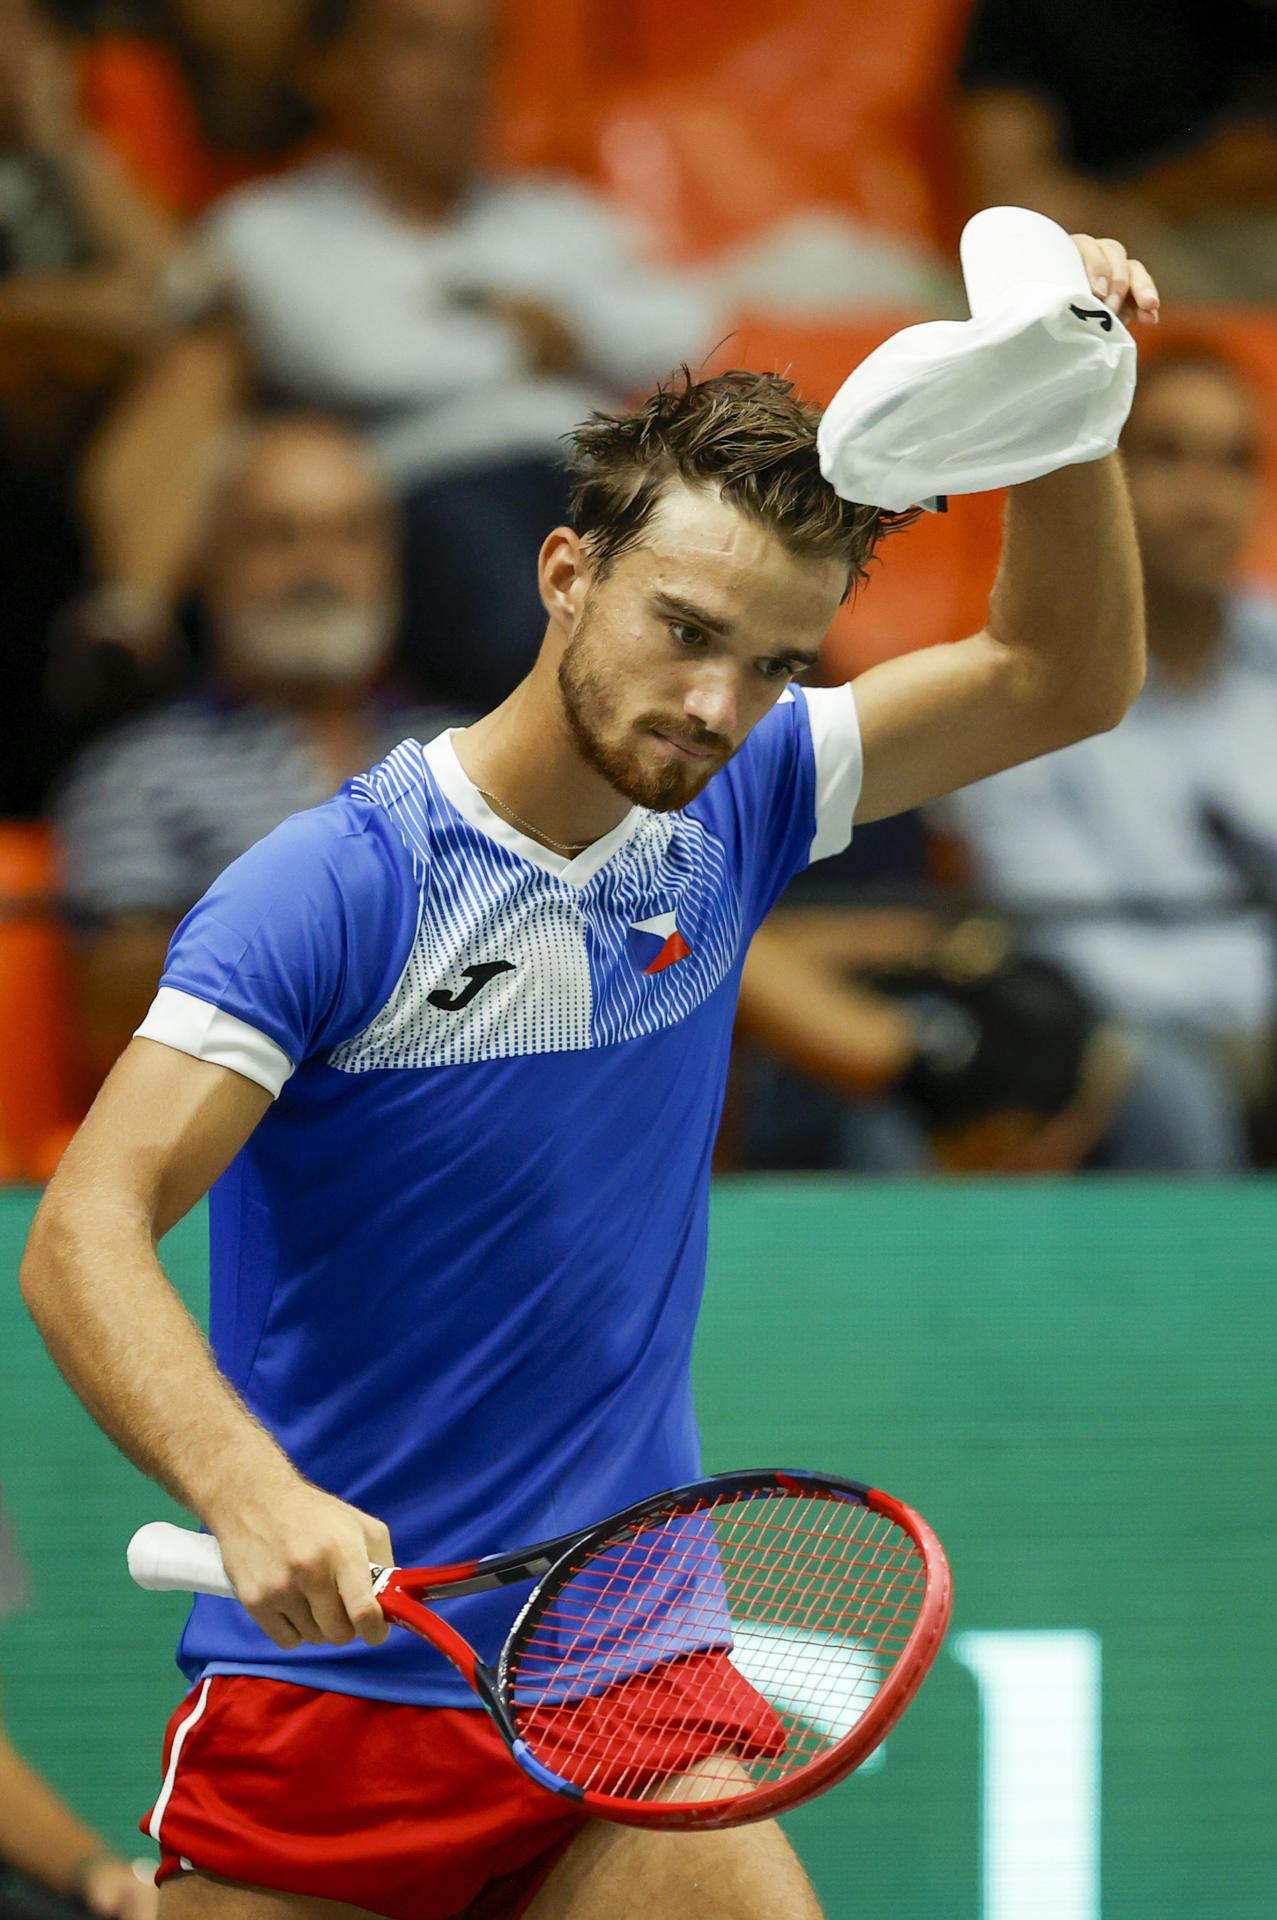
711	700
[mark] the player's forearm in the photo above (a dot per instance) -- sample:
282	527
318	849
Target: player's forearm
299	1557
127	1346
1067	608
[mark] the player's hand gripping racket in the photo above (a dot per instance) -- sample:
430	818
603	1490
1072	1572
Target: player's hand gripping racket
711	1656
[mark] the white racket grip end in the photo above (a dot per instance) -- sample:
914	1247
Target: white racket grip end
168	1559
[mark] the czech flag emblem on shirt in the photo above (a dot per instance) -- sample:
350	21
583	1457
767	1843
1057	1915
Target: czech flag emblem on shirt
657	943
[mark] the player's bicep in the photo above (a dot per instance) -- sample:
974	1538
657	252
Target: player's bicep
163	1128
941	718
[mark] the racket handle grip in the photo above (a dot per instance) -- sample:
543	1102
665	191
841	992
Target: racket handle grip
168	1559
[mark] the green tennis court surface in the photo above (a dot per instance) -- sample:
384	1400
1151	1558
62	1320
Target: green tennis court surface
1074	1383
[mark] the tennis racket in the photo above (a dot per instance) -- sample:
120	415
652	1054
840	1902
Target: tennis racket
711	1656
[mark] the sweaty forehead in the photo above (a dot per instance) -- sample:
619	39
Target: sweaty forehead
697	521
696	544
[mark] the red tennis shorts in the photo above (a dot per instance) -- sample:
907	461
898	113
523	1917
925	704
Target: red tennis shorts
416	1813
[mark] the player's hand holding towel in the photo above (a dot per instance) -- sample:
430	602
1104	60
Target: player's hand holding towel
1040	377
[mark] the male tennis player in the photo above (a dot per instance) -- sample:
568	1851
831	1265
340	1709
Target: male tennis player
449	1051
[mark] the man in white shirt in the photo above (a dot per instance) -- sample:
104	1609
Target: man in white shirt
466	321
1140	846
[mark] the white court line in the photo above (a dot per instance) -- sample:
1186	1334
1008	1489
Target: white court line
826	1679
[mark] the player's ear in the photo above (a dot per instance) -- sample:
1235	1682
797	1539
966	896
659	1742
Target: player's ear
563	574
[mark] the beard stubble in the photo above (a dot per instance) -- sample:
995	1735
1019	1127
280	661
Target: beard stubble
591	716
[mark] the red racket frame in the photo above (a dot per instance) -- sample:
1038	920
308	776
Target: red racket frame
401	1591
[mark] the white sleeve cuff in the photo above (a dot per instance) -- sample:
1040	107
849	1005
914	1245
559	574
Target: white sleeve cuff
192	1026
835	742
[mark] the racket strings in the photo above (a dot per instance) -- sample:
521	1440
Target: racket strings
716	1648
767	1673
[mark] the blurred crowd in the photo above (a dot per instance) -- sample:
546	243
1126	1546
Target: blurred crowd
297	298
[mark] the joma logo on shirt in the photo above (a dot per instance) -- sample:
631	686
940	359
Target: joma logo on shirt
476	979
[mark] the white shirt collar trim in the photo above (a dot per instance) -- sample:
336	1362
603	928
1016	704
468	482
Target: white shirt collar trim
457	786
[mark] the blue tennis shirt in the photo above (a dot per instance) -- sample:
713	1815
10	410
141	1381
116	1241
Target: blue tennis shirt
456	1269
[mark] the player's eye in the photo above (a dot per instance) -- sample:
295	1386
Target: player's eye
687	636
777	669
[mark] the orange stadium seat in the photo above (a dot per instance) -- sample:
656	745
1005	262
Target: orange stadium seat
36	1116
548	85
712	125
932	581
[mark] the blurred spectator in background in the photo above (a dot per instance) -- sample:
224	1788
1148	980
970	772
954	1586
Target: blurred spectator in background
42	1843
200	100
80	250
466	321
887	1034
298	586
1144	847
82	261
1155	119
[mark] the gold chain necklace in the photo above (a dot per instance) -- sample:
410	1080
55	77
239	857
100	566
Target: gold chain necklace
558	846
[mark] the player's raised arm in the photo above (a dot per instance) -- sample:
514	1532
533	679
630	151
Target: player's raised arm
1062	655
1031	393
162	1129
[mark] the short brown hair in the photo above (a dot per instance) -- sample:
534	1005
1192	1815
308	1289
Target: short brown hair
746	435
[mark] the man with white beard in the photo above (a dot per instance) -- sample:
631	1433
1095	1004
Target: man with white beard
299	578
